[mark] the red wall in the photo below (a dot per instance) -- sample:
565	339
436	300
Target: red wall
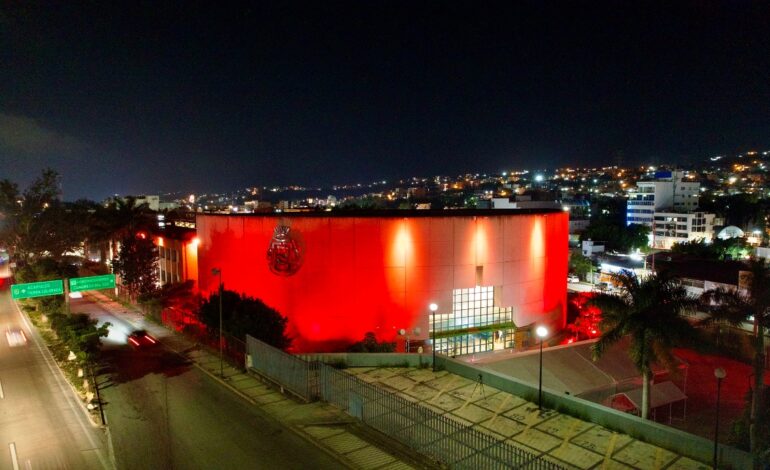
379	274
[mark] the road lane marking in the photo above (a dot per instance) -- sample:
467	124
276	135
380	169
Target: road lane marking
14	458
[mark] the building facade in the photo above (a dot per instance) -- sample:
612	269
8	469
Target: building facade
338	276
668	192
676	227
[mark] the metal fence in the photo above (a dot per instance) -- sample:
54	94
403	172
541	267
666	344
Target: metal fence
292	373
233	349
427	432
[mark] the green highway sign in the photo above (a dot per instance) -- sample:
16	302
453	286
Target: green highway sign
78	284
37	289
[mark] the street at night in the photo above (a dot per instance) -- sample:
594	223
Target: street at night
42	422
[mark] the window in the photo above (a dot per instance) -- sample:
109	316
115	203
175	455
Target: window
471	308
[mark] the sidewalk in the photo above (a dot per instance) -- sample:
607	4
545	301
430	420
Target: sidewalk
321	424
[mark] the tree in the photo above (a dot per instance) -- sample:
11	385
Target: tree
651	312
118	220
243	315
370	344
618	237
738	306
24	214
580	264
637	237
136	264
731	248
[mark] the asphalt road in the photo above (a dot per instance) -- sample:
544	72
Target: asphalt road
42	423
163	412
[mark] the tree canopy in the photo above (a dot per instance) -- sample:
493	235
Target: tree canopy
136	264
618	237
243	315
731	248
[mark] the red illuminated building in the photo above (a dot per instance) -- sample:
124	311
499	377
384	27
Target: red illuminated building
337	276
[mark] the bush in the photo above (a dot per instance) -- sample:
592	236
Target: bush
79	333
370	344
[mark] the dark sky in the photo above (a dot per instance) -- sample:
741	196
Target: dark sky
134	99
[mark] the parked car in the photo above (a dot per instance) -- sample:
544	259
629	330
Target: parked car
573	278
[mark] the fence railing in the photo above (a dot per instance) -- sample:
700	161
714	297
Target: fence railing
425	431
289	371
233	348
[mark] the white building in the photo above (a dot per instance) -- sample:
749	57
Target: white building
153	202
668	192
677	227
522	202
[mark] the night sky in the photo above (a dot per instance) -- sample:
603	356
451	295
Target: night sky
127	99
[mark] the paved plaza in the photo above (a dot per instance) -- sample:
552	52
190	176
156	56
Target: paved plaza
562	439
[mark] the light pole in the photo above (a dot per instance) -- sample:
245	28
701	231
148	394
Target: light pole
433	307
218	272
542	332
720	374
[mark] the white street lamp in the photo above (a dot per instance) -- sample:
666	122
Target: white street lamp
433	307
542	332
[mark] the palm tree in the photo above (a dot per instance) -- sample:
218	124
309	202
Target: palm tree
651	311
749	303
117	220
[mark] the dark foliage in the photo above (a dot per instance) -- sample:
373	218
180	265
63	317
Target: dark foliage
136	264
243	315
371	345
80	333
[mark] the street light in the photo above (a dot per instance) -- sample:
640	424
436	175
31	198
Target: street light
720	374
218	272
433	308
542	332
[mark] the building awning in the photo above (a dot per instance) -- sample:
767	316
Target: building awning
664	393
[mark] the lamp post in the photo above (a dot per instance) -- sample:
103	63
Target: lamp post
433	307
542	332
720	374
218	272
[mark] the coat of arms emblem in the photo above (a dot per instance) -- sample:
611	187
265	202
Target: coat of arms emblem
285	253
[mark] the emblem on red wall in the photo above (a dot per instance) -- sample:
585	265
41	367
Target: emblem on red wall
286	251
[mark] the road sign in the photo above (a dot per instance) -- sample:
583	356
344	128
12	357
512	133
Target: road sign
37	289
78	284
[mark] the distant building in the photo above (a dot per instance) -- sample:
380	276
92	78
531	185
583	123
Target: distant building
177	256
668	205
522	202
153	202
591	247
667	192
677	227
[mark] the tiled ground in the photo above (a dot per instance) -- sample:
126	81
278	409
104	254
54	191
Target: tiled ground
565	440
